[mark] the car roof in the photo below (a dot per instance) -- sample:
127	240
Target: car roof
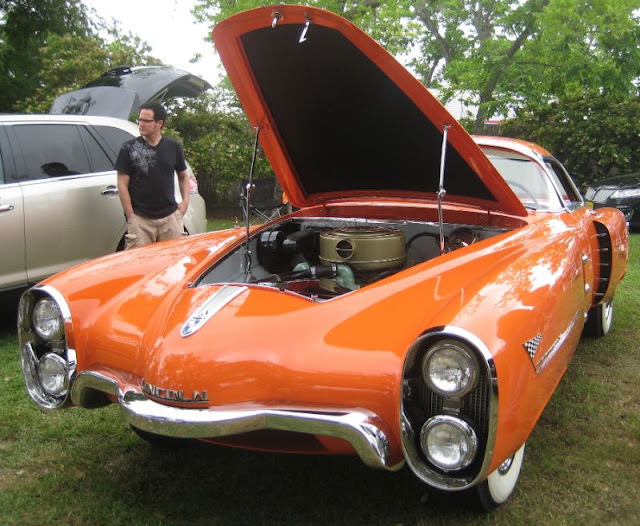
10	118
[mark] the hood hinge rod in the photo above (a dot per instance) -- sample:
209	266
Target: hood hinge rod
247	203
441	191
305	29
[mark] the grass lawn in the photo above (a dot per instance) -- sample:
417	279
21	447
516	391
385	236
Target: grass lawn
77	467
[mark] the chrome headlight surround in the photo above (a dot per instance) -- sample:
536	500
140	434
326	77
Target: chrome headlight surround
478	409
450	368
48	364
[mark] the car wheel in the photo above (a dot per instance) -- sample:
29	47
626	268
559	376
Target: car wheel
599	320
500	484
161	441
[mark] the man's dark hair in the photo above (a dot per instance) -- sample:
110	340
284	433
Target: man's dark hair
159	111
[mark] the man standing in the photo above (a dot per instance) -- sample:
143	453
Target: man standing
145	168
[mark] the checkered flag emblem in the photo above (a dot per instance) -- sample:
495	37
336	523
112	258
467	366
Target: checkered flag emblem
532	345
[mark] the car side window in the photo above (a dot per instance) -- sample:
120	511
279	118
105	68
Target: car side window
50	150
568	192
114	137
100	161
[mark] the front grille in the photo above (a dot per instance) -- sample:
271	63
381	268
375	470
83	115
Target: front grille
473	406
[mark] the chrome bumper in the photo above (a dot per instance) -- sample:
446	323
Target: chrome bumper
361	428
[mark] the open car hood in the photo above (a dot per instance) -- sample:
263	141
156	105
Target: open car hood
340	118
120	92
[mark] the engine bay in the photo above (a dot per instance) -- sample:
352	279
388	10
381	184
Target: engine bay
323	258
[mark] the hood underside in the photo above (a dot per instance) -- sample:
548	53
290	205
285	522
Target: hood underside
339	117
120	92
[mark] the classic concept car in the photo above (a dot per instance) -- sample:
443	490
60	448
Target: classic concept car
418	307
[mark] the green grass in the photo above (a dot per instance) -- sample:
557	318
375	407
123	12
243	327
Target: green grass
77	467
222	223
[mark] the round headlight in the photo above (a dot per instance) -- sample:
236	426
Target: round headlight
53	373
47	320
450	369
448	442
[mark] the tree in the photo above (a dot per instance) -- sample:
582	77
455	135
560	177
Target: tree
595	136
25	27
497	55
218	142
68	63
49	47
384	20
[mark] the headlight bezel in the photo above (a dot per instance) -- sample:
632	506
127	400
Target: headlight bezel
48	361
450	350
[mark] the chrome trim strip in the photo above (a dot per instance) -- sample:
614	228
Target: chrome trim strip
544	360
210	308
413	457
363	429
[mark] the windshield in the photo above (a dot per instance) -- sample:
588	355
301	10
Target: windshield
526	178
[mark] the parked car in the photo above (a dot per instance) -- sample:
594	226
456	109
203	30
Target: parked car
621	192
58	193
413	310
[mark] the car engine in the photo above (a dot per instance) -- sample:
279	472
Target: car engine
324	258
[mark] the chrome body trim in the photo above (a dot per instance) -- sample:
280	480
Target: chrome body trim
210	308
413	457
28	357
363	429
559	342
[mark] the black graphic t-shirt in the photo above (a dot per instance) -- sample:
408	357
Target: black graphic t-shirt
151	170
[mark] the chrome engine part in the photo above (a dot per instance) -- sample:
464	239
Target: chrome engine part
364	248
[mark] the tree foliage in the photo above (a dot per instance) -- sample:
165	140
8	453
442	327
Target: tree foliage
68	63
218	142
48	47
595	137
569	70
25	27
497	55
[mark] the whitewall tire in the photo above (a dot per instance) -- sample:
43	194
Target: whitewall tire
501	483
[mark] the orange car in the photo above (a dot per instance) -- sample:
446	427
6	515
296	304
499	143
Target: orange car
418	308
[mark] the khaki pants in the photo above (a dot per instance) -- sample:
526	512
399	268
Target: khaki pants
145	230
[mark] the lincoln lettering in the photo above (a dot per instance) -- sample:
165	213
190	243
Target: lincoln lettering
174	395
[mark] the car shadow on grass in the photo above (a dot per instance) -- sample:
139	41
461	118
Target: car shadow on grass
204	484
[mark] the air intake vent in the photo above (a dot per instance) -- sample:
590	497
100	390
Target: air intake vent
604	259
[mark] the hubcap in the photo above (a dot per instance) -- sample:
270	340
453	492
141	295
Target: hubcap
504	468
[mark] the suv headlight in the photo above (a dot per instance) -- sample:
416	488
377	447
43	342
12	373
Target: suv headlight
47	320
625	194
450	368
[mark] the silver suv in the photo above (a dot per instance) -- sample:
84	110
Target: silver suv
58	194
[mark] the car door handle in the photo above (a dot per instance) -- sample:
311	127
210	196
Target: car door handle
110	190
6	208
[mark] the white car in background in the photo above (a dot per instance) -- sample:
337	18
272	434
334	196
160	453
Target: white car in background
59	200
